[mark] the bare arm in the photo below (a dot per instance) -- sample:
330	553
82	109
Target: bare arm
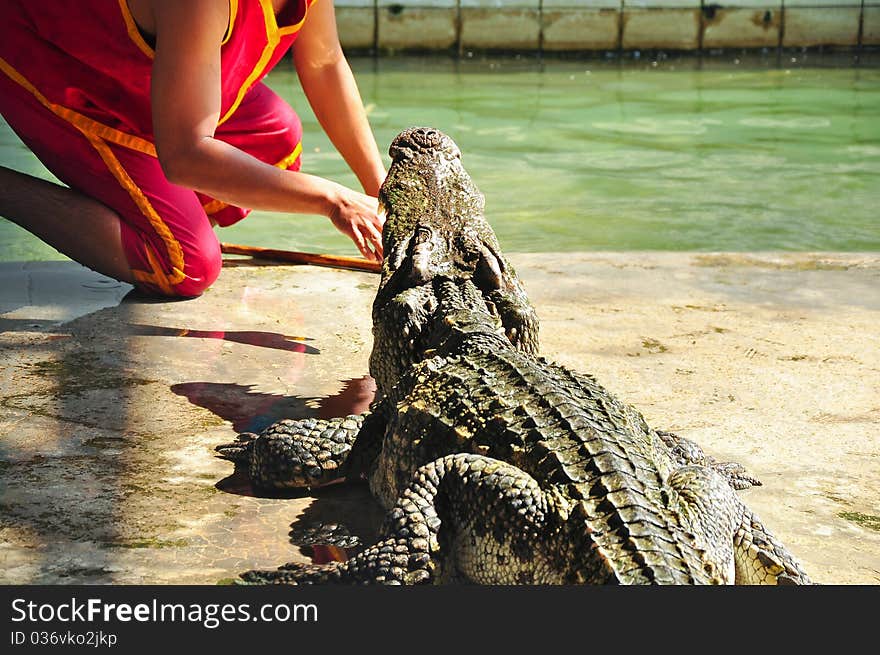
186	109
331	89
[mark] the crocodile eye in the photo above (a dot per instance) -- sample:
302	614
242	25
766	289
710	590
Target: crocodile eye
467	247
423	234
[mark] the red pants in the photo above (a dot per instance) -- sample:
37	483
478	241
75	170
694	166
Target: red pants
166	230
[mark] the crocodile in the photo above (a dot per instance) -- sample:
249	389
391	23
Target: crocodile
496	465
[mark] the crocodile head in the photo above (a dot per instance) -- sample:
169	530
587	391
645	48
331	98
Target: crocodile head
436	233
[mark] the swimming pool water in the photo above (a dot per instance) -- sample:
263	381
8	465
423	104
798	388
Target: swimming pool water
594	155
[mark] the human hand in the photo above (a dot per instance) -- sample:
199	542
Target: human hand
356	215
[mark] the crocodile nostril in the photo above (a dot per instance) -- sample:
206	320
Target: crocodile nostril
417	140
426	137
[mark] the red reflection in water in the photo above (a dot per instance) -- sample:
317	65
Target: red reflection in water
324	554
252	411
354	398
247	410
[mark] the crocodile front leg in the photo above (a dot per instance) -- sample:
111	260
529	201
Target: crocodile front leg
295	453
464	518
305	453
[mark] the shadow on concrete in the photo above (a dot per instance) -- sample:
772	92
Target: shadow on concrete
26	325
248	337
67	473
342	519
343	507
238	483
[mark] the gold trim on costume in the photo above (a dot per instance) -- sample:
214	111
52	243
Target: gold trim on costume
290	29
233	13
175	252
133	32
273	37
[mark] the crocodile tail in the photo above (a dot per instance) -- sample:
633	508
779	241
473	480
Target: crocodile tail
240	451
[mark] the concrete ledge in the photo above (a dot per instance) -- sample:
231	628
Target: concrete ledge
815	26
416	28
110	411
654	28
871	26
491	29
571	25
581	29
356	27
753	27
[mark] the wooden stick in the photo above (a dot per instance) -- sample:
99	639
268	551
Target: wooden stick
332	261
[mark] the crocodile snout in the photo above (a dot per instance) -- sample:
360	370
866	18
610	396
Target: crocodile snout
418	140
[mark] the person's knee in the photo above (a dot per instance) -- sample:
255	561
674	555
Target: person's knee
201	268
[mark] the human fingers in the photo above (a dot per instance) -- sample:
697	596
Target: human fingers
369	246
369	223
374	236
356	216
372	249
361	243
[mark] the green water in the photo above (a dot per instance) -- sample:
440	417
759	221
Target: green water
687	155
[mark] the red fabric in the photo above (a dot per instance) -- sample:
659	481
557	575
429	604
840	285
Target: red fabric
80	55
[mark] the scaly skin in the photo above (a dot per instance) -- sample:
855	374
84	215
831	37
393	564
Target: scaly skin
292	454
496	465
435	227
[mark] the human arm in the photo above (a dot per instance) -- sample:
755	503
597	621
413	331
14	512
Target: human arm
186	109
330	87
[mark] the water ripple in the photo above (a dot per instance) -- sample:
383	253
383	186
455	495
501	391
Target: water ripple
659	126
797	123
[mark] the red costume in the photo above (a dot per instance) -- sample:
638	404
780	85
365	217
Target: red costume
75	86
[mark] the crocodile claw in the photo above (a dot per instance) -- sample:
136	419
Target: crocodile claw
240	450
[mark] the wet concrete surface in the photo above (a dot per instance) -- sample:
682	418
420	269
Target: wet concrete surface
111	404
